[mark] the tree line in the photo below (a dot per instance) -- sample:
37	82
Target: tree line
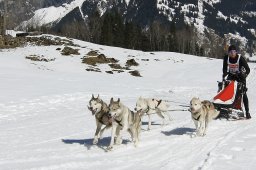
110	29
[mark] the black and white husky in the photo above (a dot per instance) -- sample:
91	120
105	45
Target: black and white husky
101	112
123	120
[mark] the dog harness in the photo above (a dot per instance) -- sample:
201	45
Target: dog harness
233	68
199	115
118	121
197	118
158	102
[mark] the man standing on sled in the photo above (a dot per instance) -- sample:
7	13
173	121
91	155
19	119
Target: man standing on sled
235	67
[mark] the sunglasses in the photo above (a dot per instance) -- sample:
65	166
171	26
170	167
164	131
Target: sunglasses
232	52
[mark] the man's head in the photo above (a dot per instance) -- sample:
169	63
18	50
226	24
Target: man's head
232	51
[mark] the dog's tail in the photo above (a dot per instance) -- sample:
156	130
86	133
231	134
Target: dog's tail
216	113
213	114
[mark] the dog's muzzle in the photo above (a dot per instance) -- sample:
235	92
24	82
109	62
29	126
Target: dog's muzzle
191	109
113	115
91	109
135	109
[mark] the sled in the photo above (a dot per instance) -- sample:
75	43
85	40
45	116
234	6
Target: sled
229	100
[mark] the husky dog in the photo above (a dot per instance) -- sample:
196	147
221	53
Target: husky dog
202	113
149	106
101	111
123	119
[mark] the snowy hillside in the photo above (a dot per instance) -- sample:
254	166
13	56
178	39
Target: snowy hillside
45	123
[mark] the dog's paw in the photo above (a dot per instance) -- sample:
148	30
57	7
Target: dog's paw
193	135
110	147
119	141
200	134
95	141
136	144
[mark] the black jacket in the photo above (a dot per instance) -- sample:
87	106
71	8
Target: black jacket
243	66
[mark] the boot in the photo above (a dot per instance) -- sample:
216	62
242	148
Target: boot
248	116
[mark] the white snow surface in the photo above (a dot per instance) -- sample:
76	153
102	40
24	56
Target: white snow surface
45	123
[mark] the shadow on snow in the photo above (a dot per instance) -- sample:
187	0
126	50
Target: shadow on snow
179	131
102	143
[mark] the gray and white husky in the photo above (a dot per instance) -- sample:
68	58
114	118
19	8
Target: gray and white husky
123	120
149	106
202	112
101	111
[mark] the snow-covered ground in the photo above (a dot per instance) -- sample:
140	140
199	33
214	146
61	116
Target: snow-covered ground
45	123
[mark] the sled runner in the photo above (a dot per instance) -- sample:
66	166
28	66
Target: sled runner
229	99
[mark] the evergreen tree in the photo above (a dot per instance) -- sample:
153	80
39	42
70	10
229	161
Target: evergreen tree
144	42
130	35
172	38
106	36
118	29
137	38
201	51
95	27
197	49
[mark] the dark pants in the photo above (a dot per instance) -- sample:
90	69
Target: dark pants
246	103
245	98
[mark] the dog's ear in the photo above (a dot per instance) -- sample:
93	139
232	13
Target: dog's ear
101	102
92	96
111	100
98	96
118	100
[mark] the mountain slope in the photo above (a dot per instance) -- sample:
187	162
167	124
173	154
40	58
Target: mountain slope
26	9
233	14
51	14
230	19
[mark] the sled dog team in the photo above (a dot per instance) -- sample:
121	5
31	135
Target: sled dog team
120	118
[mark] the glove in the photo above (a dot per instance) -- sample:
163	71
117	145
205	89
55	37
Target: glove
224	77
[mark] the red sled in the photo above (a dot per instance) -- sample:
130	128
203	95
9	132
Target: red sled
229	99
